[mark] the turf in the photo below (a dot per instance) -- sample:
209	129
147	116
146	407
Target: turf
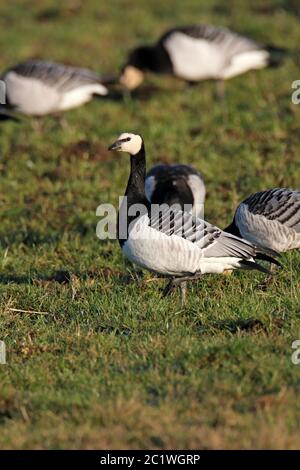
106	362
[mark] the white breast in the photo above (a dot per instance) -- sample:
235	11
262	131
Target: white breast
160	253
194	59
30	95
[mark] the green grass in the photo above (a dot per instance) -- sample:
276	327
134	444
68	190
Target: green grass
110	363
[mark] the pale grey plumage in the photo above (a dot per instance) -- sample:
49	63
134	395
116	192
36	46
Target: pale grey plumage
176	243
270	218
38	87
212	240
229	42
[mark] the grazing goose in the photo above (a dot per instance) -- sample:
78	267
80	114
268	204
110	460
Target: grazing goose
176	184
198	52
37	88
270	219
170	242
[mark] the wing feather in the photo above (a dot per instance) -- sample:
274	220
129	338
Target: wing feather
279	204
234	42
61	77
211	240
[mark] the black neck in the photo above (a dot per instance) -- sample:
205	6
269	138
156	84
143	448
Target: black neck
135	190
160	60
169	194
153	58
135	194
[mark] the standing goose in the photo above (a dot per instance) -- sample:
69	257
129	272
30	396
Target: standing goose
198	52
176	184
170	242
37	87
270	219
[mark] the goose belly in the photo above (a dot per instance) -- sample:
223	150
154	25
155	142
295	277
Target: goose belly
194	59
30	96
80	95
166	255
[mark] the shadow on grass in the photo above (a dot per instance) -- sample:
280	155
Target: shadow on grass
234	326
251	325
66	277
62	277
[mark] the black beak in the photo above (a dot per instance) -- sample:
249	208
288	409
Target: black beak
115	146
118	144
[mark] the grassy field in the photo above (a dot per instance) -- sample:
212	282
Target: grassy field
108	363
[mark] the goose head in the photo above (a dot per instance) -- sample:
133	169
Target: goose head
127	142
131	77
139	60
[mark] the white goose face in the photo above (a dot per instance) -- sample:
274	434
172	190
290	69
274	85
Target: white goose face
131	77
126	142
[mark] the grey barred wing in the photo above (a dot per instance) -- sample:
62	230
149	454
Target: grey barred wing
212	241
62	77
173	221
217	35
280	204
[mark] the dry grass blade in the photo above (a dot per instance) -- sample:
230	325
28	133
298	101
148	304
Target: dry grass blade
19	310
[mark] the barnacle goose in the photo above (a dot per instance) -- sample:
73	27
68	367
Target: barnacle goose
171	242
270	219
37	87
176	184
198	52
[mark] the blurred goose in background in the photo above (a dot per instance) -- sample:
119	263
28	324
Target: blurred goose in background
198	52
37	87
170	242
270	219
176	184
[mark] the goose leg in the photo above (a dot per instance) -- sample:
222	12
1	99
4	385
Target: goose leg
221	90
182	283
169	288
174	282
37	124
63	123
183	287
270	277
273	269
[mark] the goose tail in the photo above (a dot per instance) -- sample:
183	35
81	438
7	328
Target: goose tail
247	264
266	254
277	55
270	259
7	116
